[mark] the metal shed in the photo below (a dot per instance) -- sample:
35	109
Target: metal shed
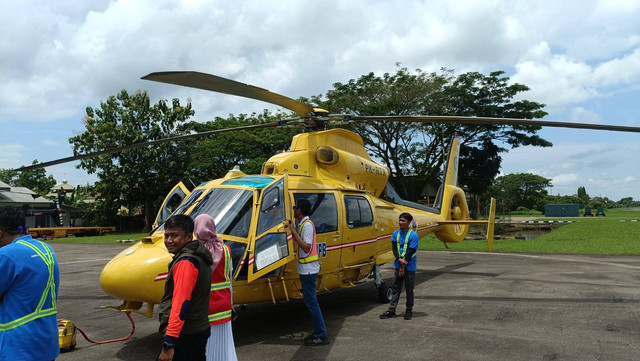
561	210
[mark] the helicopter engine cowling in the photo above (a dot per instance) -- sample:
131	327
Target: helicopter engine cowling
334	155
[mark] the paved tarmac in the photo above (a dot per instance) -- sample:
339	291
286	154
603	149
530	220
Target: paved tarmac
469	306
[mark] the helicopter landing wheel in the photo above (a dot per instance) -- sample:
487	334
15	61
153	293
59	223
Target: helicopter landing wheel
385	292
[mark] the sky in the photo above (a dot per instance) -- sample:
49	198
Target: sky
580	58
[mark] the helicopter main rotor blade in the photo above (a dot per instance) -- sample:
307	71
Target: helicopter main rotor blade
493	121
218	84
143	144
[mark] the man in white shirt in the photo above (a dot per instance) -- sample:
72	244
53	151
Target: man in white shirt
308	267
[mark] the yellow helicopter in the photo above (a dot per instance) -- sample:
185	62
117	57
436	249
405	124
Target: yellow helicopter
354	207
354	221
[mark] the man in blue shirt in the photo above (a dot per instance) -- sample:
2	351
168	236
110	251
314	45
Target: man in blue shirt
29	280
404	243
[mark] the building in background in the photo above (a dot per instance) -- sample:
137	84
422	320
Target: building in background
40	209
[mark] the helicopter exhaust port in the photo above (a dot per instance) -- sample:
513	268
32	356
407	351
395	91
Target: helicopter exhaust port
327	155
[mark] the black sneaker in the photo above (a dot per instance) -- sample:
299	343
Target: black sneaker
408	315
388	314
316	341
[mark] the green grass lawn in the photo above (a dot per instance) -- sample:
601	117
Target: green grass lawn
613	234
107	238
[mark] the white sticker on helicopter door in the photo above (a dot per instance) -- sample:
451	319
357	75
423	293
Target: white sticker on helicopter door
267	257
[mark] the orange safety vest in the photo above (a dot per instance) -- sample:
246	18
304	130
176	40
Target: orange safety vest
220	295
313	253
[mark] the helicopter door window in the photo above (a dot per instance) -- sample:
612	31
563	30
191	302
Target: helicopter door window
324	210
271	210
359	212
270	249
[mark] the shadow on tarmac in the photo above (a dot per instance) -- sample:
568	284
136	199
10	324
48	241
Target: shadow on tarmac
141	348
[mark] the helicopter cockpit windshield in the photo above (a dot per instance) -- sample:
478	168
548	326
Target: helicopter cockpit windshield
229	207
232	208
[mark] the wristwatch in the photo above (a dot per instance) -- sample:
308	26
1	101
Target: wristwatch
167	346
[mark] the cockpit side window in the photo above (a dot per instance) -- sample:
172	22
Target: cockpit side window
186	203
237	253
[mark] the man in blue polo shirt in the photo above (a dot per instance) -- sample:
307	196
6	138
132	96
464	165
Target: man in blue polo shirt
404	243
29	279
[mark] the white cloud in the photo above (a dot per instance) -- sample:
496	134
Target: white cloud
581	115
624	71
10	155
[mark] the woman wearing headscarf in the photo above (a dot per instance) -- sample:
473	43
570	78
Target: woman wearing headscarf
220	346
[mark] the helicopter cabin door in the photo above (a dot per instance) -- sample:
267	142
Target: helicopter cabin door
178	193
359	241
325	218
271	248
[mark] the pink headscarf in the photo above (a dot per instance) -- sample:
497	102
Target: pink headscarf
205	232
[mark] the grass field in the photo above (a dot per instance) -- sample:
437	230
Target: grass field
613	234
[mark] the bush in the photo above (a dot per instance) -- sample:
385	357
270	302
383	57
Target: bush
525	212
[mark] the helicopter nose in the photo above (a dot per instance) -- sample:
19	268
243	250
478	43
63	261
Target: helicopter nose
138	273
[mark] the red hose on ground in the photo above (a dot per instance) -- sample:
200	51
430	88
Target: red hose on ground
133	328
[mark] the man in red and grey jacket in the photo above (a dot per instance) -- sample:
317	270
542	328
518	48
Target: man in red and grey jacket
183	311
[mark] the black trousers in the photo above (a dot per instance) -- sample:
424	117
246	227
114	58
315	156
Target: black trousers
408	280
192	347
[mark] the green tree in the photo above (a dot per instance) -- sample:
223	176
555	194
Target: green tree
626	202
520	190
36	180
8	176
478	168
140	177
418	151
583	197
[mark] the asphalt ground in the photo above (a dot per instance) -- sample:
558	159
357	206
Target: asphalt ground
468	306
